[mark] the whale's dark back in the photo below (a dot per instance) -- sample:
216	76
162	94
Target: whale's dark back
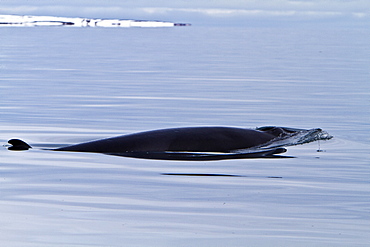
197	143
195	139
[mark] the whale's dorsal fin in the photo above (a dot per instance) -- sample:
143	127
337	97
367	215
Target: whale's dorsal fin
18	145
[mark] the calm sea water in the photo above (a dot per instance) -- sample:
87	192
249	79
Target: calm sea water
68	85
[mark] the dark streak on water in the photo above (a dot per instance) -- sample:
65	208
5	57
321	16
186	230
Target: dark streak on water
207	175
202	175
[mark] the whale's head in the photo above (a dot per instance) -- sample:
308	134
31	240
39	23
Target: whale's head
278	131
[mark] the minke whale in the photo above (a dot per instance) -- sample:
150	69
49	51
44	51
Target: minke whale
196	143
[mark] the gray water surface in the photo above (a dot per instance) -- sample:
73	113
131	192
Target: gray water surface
60	86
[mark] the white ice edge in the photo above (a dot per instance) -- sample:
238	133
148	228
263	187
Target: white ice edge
32	21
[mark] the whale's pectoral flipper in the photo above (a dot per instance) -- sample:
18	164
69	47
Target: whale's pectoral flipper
178	155
18	145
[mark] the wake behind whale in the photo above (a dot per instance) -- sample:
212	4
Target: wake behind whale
197	143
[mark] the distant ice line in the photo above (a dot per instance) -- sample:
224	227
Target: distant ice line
32	21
